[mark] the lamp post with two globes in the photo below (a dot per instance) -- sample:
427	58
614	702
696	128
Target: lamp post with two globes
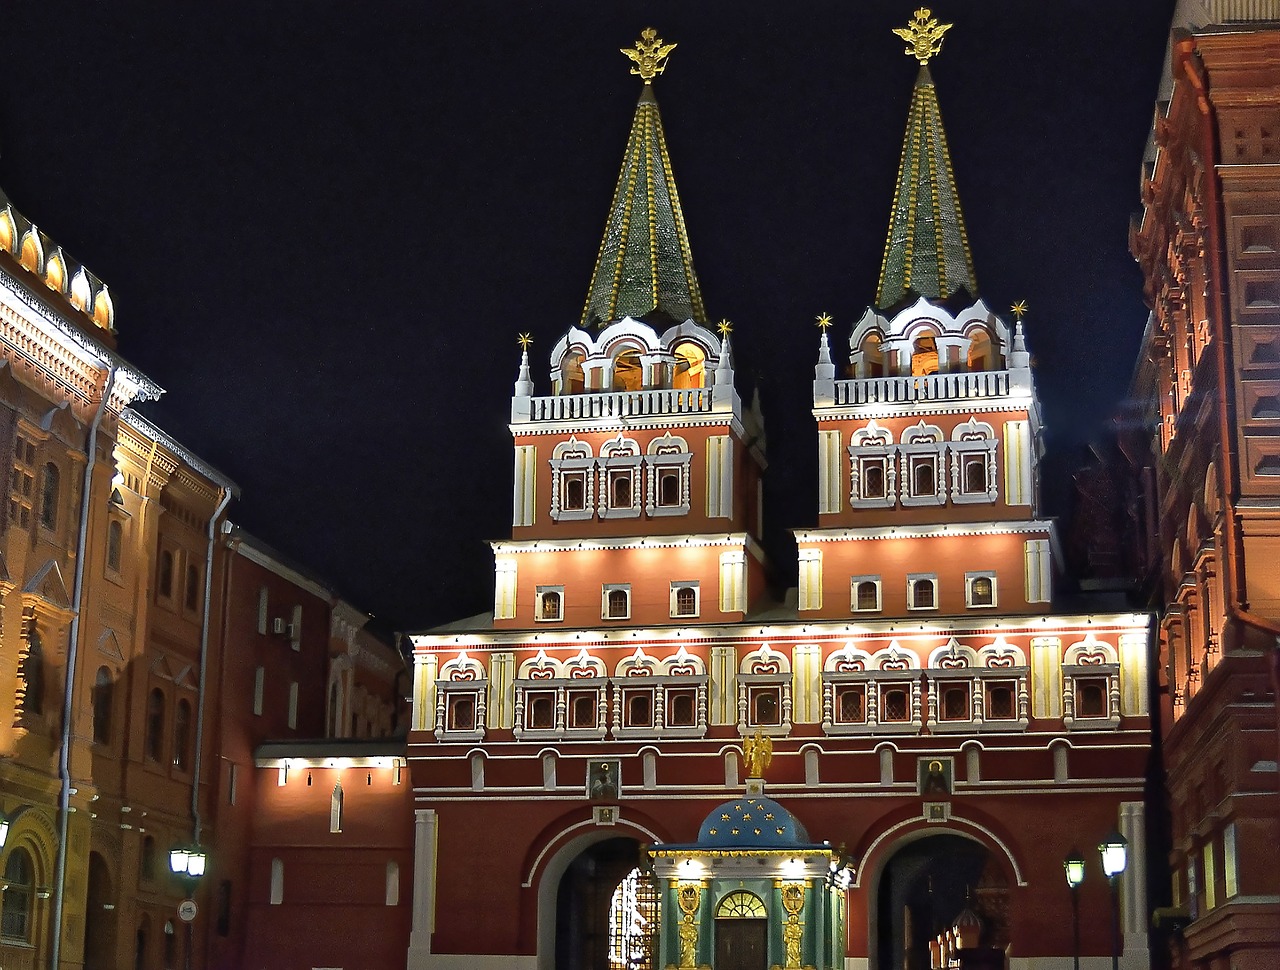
188	862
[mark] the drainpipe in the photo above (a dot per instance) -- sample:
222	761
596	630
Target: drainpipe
68	694
204	662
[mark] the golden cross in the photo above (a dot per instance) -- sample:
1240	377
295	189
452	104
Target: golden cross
649	56
1019	310
524	340
923	35
725	328
824	321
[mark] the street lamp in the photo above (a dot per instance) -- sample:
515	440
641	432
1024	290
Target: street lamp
187	862
1073	866
1114	852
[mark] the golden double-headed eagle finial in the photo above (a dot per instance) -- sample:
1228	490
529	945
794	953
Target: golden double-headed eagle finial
649	56
923	35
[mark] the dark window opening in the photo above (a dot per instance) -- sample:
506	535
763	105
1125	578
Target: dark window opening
895	704
851	704
681	707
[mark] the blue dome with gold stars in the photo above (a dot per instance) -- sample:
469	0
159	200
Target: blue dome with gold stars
751	823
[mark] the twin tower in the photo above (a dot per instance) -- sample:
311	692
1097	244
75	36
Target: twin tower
637	479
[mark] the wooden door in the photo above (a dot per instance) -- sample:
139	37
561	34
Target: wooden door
742	944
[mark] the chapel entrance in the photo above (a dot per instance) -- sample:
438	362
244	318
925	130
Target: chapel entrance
742	933
924	887
607	911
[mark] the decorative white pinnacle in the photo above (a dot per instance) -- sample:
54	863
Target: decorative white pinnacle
524	381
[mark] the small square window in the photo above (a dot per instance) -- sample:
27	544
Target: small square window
617	602
682	707
922	592
865	594
1000	700
851	704
765	705
684	599
953	702
583	708
895	703
980	589
1091	697
549	606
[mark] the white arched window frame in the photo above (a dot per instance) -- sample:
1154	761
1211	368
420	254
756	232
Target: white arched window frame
618	479
973	456
764	693
1091	686
845	694
573	469
873	469
667	480
462	690
922	454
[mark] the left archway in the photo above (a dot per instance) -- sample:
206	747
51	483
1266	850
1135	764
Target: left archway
593	908
100	917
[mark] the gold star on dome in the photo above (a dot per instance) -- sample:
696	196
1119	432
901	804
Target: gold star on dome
725	328
649	56
768	816
778	830
824	321
746	816
712	831
923	35
734	832
757	831
724	816
1019	310
524	340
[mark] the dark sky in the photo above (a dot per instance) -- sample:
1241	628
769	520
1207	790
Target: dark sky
324	223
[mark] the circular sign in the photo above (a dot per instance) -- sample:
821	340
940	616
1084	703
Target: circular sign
187	910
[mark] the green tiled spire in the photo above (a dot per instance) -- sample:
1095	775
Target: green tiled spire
644	263
927	252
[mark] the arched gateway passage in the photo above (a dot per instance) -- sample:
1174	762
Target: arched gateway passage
606	910
925	886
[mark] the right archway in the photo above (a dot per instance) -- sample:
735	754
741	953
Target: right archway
923	888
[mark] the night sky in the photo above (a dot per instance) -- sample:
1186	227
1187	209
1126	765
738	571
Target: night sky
323	224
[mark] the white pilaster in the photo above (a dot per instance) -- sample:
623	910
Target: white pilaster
424	888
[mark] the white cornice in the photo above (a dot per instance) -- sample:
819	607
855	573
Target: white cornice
943	530
808	631
612	425
737	540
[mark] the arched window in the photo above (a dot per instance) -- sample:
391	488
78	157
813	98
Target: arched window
669	487
541	713
923	594
115	545
691	366
982	591
164	574
462	713
583	714
393	884
766	707
170	946
33	674
873	479
550	606
18	908
922	479
687	601
155	725
277	882
49	496
639	710
192	591
628	371
975	474
868	595
575	493
182	735
617	604
682	708
572	380
104	690
981	351
873	356
621	491
924	356
140	946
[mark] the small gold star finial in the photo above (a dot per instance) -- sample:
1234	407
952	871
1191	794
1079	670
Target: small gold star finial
649	56
824	321
1019	310
923	35
725	328
524	340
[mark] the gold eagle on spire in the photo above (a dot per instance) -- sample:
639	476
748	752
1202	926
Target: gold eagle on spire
923	35
649	56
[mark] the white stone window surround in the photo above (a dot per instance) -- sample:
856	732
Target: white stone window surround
662	689
1088	659
872	446
857	581
538	616
562	692
913	579
973	439
669	453
465	677
619	458
764	670
572	457
605	590
922	443
977	680
970	600
889	668
676	587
